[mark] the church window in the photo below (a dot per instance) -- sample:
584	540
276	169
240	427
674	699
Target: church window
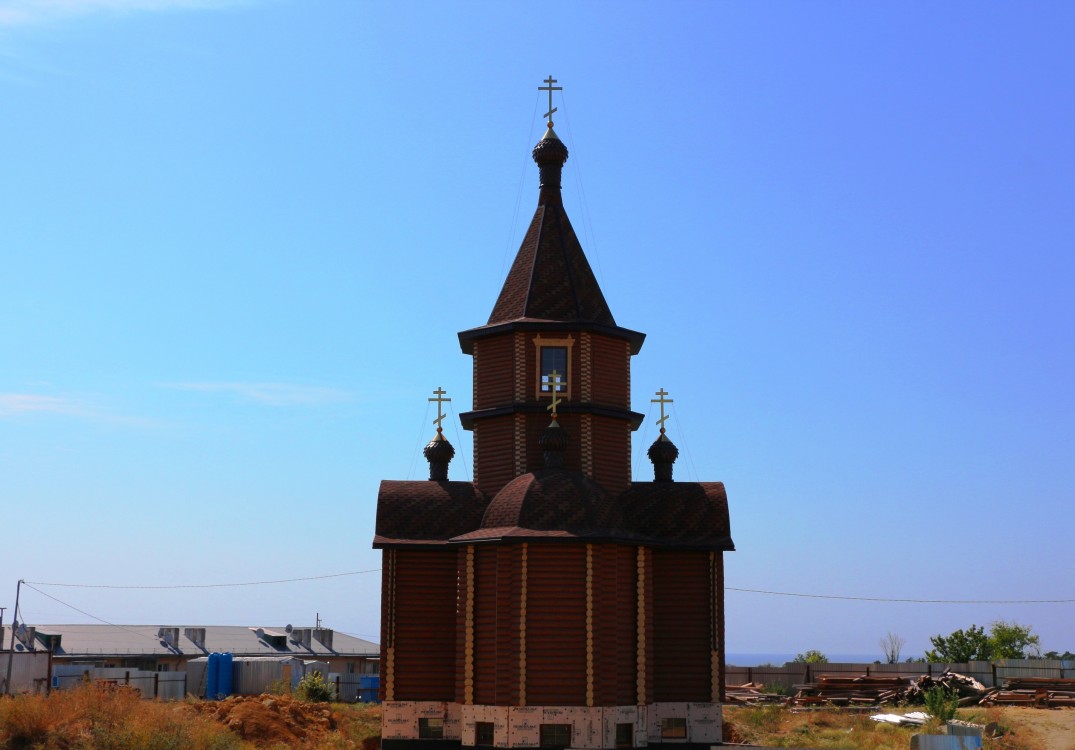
555	735
483	733
554	363
431	729
673	729
553	367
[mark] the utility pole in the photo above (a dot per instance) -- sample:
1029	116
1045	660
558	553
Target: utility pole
11	651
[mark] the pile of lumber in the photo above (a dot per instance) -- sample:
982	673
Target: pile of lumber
1039	692
750	694
850	690
969	690
864	690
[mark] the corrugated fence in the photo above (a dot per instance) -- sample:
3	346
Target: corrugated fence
990	674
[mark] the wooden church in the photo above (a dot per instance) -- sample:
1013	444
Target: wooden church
553	601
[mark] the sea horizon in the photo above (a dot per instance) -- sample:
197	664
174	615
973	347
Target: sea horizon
780	658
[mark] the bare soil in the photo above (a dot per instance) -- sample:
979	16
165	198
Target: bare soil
1020	728
267	720
1045	729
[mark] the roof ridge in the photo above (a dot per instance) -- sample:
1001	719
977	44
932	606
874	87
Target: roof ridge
537	247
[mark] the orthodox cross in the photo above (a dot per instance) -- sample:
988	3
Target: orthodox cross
662	401
550	88
554	379
439	394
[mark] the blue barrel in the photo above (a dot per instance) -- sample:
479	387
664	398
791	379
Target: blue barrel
212	677
368	686
224	677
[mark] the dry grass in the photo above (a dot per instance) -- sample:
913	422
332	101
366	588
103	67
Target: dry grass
776	726
105	718
93	718
108	718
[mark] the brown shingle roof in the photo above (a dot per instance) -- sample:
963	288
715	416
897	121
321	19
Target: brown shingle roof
679	513
551	278
426	512
554	504
552	500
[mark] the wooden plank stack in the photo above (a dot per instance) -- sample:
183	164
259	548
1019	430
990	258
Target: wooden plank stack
1037	692
848	690
751	694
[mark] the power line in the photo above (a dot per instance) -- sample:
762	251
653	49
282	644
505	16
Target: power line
202	585
726	588
904	601
84	612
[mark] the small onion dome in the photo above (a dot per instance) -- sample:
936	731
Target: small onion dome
663	453
550	154
554	442
439	452
550	150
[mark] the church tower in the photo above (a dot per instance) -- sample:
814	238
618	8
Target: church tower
553	601
551	317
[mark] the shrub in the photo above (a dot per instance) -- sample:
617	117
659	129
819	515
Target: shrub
314	689
941	703
776	690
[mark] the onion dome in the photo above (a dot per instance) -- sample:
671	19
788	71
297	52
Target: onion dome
663	453
554	442
550	153
439	452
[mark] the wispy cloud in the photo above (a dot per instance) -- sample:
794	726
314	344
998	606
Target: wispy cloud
271	394
15	405
27	12
12	404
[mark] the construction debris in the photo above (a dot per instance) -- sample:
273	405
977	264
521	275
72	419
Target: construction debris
843	690
1036	692
751	694
969	690
912	719
873	690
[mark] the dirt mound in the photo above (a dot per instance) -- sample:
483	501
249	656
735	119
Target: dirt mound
271	719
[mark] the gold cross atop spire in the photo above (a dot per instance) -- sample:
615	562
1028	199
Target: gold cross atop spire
662	401
439	398
554	381
550	88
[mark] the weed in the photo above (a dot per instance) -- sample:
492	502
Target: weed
776	690
762	718
941	703
313	689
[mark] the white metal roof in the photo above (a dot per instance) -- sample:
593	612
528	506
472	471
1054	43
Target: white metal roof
240	640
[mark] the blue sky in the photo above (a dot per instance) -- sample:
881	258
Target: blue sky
239	239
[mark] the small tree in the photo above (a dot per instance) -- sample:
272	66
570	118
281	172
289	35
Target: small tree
1006	640
812	657
313	688
941	703
891	645
1066	656
1010	640
960	647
